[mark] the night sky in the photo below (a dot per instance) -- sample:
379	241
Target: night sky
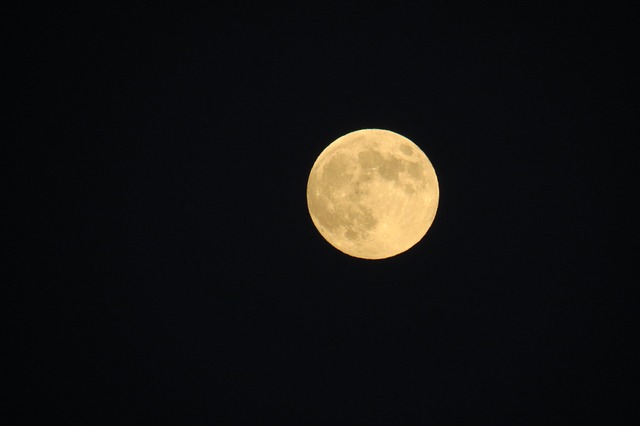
167	270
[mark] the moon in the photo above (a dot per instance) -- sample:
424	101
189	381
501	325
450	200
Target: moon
372	194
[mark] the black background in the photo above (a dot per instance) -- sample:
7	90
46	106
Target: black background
167	270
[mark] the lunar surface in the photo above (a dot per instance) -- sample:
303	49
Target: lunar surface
372	194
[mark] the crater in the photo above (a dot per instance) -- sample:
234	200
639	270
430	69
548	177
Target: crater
406	149
350	234
408	188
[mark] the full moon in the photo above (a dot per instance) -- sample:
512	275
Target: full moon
372	194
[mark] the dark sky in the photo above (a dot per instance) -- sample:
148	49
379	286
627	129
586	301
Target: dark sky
168	270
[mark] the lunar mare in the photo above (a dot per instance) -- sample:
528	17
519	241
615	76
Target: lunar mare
372	194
